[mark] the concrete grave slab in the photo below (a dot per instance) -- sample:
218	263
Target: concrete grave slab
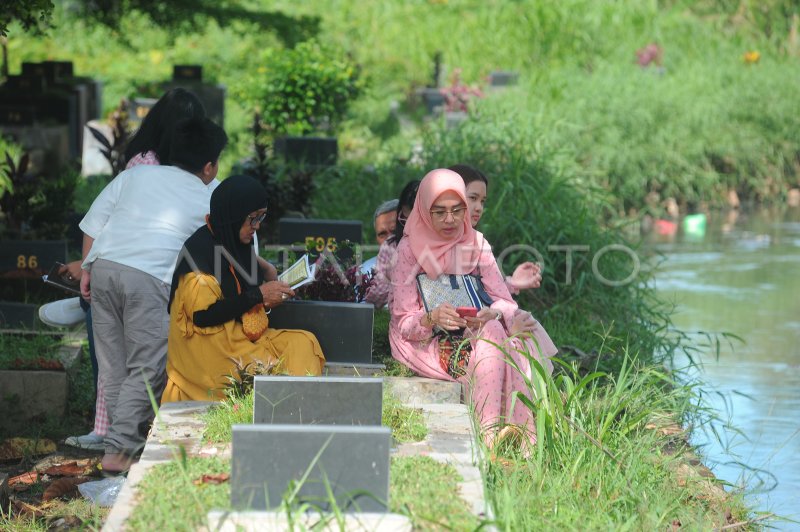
40	392
318	400
352	463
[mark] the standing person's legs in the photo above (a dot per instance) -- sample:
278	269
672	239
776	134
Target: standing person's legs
109	332
146	325
93	440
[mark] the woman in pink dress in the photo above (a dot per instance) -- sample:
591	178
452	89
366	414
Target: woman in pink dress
439	240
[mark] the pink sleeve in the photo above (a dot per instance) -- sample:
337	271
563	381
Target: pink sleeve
378	292
407	310
148	157
511	288
495	285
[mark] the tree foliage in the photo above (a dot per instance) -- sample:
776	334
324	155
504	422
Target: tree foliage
192	14
32	14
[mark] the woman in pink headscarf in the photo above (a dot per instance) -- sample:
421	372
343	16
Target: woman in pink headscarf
439	343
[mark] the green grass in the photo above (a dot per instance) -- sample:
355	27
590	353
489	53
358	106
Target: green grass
425	490
599	463
28	351
223	415
78	514
707	124
171	501
407	424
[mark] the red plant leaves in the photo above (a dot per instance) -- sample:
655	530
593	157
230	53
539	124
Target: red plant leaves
212	479
68	469
63	487
23	482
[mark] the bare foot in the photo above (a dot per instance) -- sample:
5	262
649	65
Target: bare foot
117	462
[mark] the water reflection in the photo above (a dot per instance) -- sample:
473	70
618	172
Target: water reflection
743	277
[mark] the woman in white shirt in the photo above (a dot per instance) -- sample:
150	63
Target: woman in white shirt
133	233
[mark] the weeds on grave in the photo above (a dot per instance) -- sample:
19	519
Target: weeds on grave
240	384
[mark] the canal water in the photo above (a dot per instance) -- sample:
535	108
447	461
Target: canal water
743	277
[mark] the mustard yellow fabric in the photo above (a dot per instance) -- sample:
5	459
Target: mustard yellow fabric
199	358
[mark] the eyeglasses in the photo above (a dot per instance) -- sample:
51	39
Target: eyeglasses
402	218
440	215
255	220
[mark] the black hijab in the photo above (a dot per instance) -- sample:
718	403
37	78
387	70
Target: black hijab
232	201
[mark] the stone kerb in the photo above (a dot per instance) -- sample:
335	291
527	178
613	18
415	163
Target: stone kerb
416	391
178	424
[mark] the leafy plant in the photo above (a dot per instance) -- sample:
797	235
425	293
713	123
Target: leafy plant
114	152
15	177
306	89
29	352
458	94
241	383
31	14
33	206
338	276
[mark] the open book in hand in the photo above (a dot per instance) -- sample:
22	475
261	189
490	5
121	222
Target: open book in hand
299	273
54	278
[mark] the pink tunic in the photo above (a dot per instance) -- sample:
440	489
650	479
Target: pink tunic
490	380
148	158
378	291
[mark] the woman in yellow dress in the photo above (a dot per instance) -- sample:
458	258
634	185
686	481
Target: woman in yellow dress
220	301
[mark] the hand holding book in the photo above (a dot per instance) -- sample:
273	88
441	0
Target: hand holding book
61	275
299	273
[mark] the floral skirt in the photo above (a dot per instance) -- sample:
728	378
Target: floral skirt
454	353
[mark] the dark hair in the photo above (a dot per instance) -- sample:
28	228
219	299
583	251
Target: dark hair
406	199
195	142
469	174
157	127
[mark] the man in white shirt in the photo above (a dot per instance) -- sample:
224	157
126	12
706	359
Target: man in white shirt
132	235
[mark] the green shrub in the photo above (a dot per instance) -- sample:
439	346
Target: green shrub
305	89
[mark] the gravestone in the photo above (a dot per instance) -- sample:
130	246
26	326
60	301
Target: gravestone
344	330
315	235
432	98
47	146
311	151
190	77
503	78
138	109
30	258
17	115
15	315
41	392
318	400
57	97
16	122
318	232
60	79
269	461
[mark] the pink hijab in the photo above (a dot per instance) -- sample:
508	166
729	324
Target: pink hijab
434	254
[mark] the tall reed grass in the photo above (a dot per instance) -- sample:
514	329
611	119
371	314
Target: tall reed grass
603	459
